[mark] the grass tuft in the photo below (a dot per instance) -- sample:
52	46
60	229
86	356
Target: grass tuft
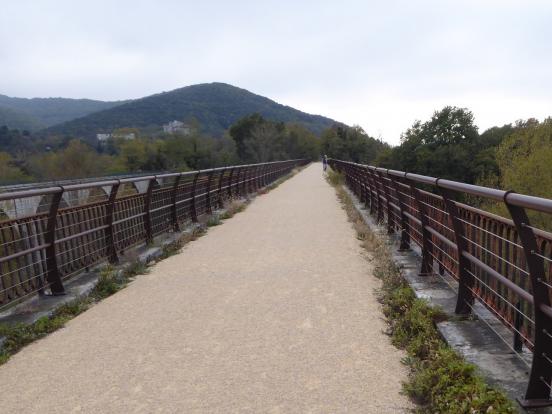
17	336
335	178
233	208
214	220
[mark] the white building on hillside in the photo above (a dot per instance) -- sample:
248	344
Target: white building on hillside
103	137
177	127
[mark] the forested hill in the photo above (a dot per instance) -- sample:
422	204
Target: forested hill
215	105
37	113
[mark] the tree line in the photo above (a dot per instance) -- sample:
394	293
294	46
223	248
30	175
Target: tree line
515	156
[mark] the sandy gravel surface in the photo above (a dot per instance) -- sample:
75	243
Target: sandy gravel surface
272	312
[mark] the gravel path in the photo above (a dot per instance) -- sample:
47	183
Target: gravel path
272	312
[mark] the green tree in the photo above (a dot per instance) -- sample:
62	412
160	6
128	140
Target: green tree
260	140
9	172
76	161
302	143
242	131
444	146
351	144
524	160
133	154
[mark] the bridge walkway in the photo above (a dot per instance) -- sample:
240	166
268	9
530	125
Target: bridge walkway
272	312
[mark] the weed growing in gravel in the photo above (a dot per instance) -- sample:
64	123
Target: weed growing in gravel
440	381
135	268
108	283
214	220
17	336
235	207
170	249
334	178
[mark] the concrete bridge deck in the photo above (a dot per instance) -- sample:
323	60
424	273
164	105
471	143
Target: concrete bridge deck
272	312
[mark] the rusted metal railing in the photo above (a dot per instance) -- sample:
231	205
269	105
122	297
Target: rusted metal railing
48	235
503	263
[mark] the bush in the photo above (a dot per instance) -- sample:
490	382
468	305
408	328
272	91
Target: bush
334	177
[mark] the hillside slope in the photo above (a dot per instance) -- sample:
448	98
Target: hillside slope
36	113
215	105
14	119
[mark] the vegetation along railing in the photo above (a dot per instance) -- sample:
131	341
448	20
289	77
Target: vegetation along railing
504	263
48	235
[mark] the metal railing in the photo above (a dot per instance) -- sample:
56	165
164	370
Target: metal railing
505	264
48	235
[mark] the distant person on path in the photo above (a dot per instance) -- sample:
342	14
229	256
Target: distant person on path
325	162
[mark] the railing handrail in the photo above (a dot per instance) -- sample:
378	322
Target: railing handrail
541	204
504	263
79	184
48	235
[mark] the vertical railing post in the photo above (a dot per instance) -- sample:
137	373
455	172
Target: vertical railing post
465	297
358	180
264	178
365	193
375	185
276	172
271	173
405	235
251	179
353	184
220	198
231	182
347	172
540	378
368	181
518	321
258	177
109	233
261	176
243	190
371	189
250	175
390	217
265	173
174	207
427	261
53	275
238	191
147	211
193	211
255	178
208	197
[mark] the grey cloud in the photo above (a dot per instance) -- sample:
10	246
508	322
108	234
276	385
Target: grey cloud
380	65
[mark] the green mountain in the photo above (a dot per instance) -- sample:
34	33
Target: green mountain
37	113
15	119
215	105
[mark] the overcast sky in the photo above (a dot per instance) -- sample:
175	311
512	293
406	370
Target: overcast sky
379	64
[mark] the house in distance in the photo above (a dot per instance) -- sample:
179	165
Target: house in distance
177	127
